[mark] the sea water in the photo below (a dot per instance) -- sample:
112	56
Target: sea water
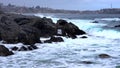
71	52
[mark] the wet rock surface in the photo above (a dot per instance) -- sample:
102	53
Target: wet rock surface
5	51
54	39
104	56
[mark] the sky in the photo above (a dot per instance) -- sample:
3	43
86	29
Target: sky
67	4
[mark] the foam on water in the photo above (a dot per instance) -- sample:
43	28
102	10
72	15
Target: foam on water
71	52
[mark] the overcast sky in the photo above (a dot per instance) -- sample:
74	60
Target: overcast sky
67	4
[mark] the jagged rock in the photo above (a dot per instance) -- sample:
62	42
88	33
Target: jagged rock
68	29
5	51
14	48
23	48
54	39
104	56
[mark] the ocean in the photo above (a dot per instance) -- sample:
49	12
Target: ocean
103	38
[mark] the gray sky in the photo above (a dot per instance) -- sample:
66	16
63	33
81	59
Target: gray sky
67	4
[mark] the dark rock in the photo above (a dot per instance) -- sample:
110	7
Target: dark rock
13	30
54	39
30	48
22	21
104	56
5	51
8	30
68	29
117	26
87	62
47	41
29	36
62	22
95	22
23	48
46	26
14	48
34	47
83	37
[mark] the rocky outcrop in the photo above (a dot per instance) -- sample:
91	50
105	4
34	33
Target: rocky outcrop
5	51
28	29
68	29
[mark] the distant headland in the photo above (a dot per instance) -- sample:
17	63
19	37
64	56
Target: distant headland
37	9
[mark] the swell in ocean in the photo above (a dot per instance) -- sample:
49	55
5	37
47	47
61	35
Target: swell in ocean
102	39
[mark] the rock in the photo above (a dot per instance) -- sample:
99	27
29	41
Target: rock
23	48
22	21
5	51
87	62
14	48
117	26
62	22
46	26
95	22
34	47
104	56
30	48
47	41
13	32
29	36
68	29
54	39
9	30
83	37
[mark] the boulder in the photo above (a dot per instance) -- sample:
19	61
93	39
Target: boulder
13	32
8	30
46	26
104	56
5	51
14	48
29	36
54	39
68	29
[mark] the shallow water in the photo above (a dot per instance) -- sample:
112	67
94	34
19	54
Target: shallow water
71	52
